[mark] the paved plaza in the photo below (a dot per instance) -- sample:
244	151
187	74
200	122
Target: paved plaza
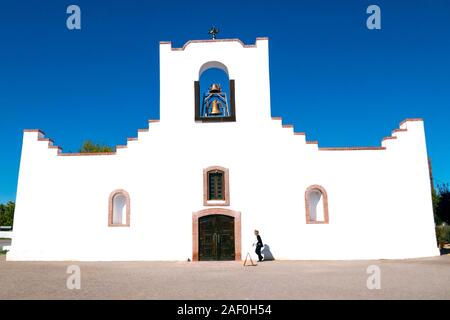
427	278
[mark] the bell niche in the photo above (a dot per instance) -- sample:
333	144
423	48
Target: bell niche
213	101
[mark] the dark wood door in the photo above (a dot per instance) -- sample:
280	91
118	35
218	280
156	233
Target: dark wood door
216	238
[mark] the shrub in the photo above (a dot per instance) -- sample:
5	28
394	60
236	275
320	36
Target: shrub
441	204
7	214
443	234
91	147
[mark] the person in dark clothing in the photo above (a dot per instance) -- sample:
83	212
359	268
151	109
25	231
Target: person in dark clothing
259	245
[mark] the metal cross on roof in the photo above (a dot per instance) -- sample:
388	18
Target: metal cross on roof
213	31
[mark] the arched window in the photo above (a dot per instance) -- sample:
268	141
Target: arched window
214	94
119	209
216	187
316	203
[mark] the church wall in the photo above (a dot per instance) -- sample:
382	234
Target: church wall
379	199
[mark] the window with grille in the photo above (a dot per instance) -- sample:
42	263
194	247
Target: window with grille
216	185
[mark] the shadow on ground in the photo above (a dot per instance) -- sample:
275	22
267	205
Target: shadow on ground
267	254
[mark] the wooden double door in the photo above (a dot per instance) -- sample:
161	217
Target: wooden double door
216	238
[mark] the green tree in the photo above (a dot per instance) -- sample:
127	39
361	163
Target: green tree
442	204
7	213
90	147
2	213
436	199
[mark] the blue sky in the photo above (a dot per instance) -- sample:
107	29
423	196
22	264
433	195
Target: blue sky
331	77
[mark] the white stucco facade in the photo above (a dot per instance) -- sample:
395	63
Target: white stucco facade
378	198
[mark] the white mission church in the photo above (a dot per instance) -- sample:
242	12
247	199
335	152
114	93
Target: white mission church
196	183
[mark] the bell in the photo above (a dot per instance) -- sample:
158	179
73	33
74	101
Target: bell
215	110
215	88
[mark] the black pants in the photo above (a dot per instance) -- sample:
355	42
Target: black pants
258	252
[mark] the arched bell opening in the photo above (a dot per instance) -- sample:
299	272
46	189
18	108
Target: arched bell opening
213	65
214	94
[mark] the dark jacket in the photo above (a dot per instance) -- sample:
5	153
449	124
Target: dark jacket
259	243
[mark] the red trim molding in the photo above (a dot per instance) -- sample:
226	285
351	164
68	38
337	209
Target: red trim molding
410	119
226	181
349	148
41	137
398	130
86	154
352	148
325	204
50	141
59	149
34	130
111	208
213	41
222	211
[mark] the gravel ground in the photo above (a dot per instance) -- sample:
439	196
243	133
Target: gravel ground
427	278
